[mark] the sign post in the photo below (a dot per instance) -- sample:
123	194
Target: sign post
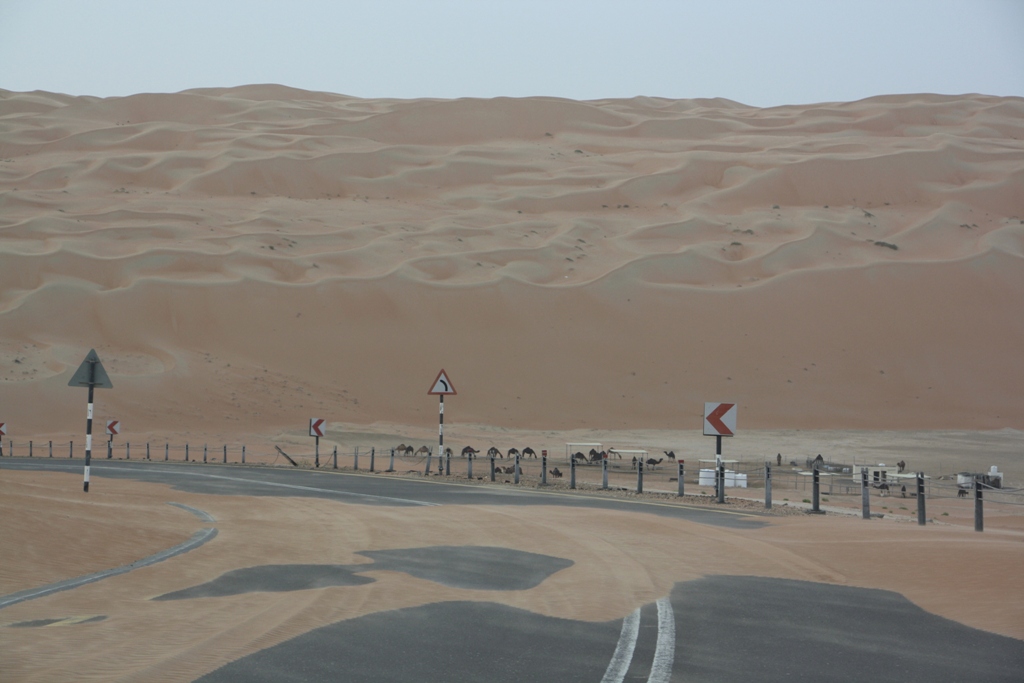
441	387
3	433
90	374
316	428
113	429
719	421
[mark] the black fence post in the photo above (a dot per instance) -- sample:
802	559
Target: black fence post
30	448
979	513
373	455
639	476
679	480
71	450
167	451
469	465
604	472
355	461
815	490
572	473
492	468
391	466
51	449
204	453
920	499
544	469
335	457
768	486
517	472
865	494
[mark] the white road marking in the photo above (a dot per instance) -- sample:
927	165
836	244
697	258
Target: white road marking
665	650
286	486
623	655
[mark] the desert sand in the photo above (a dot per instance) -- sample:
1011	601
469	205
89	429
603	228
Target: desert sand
244	259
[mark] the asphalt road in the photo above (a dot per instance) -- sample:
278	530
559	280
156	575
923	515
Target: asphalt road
721	628
363	488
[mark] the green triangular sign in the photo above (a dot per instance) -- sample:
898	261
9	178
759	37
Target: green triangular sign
91	372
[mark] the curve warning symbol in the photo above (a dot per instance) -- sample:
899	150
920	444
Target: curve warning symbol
442	386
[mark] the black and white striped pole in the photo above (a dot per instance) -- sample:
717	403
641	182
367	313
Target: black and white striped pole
441	387
90	374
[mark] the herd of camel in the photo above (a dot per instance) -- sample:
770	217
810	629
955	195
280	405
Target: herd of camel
583	458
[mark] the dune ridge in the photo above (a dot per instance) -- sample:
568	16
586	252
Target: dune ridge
586	234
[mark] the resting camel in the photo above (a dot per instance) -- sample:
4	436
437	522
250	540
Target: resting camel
652	463
469	450
493	452
555	473
511	469
529	452
580	457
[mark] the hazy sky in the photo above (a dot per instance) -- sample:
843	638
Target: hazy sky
760	52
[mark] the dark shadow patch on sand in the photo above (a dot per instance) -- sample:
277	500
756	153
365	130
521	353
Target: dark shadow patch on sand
271	578
468	567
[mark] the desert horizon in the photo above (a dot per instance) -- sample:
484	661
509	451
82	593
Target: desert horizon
245	258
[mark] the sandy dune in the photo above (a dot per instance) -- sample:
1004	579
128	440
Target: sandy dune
244	259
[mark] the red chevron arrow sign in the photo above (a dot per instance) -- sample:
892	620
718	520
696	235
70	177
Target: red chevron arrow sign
316	426
3	429
719	419
113	427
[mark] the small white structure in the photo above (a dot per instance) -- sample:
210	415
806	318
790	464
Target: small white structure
706	477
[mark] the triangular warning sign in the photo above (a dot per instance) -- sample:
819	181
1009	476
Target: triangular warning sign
442	386
91	372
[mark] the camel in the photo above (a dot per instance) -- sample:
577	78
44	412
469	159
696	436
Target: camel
671	455
470	451
579	456
422	450
448	452
493	452
652	463
901	465
529	452
633	466
513	452
404	450
612	451
511	469
962	493
555	473
778	459
595	456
